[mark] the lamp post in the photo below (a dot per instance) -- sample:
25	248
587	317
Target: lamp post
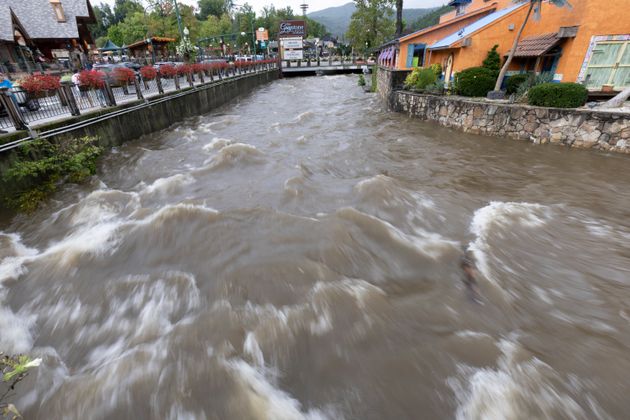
179	19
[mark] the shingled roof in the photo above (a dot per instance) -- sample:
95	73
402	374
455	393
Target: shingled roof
535	46
37	17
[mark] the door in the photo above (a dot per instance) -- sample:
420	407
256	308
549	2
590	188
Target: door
448	72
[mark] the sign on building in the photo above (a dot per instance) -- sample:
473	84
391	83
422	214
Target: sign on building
292	28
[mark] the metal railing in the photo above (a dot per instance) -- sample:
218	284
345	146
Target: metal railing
19	109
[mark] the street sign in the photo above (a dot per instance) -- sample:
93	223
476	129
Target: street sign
262	35
263	44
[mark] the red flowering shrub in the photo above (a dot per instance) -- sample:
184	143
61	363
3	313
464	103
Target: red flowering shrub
123	75
92	79
197	68
148	73
167	70
40	83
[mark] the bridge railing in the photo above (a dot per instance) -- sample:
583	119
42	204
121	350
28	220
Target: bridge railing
333	61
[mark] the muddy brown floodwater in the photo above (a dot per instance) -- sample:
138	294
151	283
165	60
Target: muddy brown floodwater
296	255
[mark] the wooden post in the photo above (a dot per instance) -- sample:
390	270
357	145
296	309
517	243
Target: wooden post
136	86
68	97
15	115
158	81
107	91
176	80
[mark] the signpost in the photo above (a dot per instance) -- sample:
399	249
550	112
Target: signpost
291	34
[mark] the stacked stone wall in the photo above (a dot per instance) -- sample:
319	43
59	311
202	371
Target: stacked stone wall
581	128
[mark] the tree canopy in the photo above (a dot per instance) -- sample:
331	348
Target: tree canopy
372	23
129	21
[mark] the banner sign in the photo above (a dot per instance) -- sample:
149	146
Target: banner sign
292	28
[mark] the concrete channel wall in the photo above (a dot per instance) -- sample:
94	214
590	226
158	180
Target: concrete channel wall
580	128
132	122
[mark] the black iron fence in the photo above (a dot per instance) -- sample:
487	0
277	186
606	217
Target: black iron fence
19	108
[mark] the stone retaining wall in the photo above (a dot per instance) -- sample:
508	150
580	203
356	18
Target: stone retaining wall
581	128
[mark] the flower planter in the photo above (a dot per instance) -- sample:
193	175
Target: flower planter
607	88
41	94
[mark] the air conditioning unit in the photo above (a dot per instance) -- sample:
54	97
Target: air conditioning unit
568	32
467	42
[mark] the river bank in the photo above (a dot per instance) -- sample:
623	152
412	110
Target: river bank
578	128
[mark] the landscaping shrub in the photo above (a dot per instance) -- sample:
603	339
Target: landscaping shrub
40	165
493	60
437	69
475	81
515	81
361	80
420	79
558	95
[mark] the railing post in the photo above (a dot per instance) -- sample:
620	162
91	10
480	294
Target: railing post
110	100
176	80
330	60
189	77
201	79
68	97
136	86
15	115
158	81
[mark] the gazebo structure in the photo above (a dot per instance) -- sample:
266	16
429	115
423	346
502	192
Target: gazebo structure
153	49
110	48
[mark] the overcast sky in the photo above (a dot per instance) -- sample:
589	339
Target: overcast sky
313	4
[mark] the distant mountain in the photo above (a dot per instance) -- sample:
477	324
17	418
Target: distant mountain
337	19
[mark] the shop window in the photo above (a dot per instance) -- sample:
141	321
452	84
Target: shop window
58	9
609	65
461	9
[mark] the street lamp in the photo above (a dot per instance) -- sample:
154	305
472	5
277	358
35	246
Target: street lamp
186	32
179	19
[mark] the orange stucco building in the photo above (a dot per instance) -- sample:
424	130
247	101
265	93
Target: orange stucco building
588	42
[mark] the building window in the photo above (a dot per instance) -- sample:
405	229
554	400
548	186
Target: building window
58	9
461	9
609	65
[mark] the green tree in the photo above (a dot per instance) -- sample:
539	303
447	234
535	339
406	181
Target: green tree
371	24
214	26
124	8
534	5
104	18
216	8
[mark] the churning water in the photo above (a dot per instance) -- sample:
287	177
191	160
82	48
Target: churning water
296	255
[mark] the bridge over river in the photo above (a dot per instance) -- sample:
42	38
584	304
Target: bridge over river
330	65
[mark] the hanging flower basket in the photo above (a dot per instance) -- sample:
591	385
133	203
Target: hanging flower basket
122	76
39	86
148	73
168	71
91	79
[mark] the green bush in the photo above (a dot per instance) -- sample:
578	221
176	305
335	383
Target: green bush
475	81
40	165
437	69
515	81
420	79
558	95
493	60
361	80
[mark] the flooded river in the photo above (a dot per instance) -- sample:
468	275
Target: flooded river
296	255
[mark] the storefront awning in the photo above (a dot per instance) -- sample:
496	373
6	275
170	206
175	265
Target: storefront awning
535	46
